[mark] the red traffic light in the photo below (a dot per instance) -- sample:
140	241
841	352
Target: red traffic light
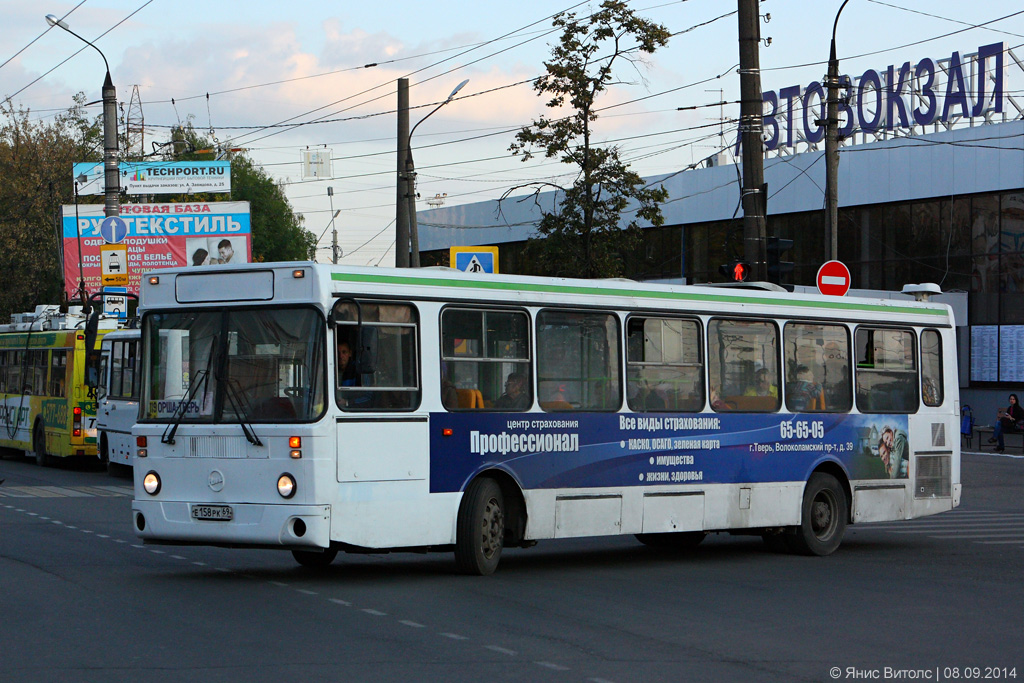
739	272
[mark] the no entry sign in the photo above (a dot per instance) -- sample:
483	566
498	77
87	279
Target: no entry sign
834	278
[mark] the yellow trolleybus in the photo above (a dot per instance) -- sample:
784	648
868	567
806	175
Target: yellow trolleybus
45	407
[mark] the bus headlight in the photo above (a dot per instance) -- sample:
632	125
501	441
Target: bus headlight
151	482
286	485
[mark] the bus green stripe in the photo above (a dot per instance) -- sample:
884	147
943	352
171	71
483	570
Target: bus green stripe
581	289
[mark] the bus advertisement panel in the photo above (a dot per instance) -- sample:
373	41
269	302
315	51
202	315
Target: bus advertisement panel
597	450
153	236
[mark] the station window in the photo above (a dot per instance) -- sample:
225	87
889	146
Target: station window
743	365
663	365
886	370
578	361
931	368
485	360
381	372
817	368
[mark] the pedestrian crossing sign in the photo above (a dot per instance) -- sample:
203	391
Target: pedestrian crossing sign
474	259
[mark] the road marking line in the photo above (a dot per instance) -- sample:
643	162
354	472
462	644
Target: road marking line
102	536
33	514
375	613
178	557
502	650
454	636
221	569
343	603
962	536
999	542
278	583
199	564
306	592
411	623
157	552
552	666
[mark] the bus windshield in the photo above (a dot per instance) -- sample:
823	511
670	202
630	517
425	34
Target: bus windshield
236	366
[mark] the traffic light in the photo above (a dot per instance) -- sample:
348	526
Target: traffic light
735	271
775	247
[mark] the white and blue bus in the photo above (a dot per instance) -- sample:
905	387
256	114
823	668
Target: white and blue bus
320	408
117	404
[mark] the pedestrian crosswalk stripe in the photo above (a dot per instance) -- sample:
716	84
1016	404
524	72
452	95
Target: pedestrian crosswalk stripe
65	491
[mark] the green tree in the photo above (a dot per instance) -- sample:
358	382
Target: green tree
277	232
35	164
582	236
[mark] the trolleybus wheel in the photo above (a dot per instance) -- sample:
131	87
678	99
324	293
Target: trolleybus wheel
823	517
39	443
315	559
677	540
480	530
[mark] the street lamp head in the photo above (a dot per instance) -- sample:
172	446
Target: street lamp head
459	87
52	20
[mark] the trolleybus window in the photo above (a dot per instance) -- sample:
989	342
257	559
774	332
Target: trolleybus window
663	365
578	361
743	365
123	380
485	360
236	366
817	368
886	370
931	368
383	339
58	371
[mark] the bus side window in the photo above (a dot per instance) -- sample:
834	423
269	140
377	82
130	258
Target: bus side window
931	368
743	365
485	360
664	371
886	370
578	361
817	368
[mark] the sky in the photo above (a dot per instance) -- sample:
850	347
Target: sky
277	78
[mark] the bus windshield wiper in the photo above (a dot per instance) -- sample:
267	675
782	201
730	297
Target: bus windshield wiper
179	413
237	405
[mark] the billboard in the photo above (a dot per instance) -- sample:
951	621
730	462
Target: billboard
149	236
157	177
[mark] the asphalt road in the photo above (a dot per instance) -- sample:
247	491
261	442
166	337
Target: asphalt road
82	600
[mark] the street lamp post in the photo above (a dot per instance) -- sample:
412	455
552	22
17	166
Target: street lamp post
410	178
832	146
111	178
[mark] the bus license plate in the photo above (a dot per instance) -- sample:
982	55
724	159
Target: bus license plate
215	512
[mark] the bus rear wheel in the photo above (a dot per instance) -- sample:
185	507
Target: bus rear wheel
480	528
39	444
823	517
315	559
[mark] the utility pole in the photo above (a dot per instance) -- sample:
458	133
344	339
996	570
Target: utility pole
401	201
832	149
334	230
751	126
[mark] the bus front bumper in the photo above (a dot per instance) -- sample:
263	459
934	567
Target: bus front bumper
250	525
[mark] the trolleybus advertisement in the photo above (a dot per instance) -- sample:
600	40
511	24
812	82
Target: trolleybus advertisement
580	450
150	236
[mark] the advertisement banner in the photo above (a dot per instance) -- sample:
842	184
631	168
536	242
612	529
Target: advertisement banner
587	450
151	236
157	177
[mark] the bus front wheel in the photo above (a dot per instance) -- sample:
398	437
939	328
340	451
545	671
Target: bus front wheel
315	559
39	442
480	529
823	517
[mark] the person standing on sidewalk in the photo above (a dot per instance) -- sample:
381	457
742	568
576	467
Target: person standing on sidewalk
1007	421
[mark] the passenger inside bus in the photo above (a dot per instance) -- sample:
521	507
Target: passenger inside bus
515	397
803	393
